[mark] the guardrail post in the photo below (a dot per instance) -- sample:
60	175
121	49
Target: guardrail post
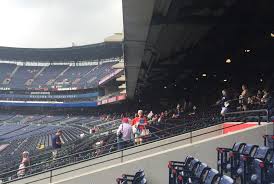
50	177
191	137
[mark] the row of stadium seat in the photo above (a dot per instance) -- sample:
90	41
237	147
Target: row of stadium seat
247	162
23	77
47	127
193	171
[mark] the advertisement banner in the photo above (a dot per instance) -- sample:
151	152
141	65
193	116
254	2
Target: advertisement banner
48	96
112	99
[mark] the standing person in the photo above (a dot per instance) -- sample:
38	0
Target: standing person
139	124
224	102
243	98
56	143
124	134
25	162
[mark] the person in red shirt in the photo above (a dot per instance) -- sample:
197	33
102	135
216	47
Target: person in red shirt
139	123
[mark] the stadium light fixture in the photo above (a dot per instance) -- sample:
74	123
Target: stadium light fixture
165	87
228	61
204	75
261	80
225	80
247	50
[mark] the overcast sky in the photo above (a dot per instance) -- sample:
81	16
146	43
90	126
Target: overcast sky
58	23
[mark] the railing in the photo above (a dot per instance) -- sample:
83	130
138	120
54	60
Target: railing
52	165
47	153
258	113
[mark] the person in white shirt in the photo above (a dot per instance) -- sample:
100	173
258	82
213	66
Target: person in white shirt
124	134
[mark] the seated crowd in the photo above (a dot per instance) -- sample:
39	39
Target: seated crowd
245	101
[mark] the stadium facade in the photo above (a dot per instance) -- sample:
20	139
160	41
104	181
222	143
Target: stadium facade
70	77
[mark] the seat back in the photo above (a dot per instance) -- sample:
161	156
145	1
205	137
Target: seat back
257	174
139	173
188	161
226	180
262	153
139	180
193	165
269	141
201	170
270	172
211	176
238	146
249	149
139	177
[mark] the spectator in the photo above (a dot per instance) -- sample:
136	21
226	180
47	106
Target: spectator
179	111
24	164
150	114
139	127
243	98
124	134
155	119
56	143
259	95
82	135
224	102
40	147
266	96
256	100
161	118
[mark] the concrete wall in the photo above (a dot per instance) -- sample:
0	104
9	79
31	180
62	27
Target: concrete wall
153	157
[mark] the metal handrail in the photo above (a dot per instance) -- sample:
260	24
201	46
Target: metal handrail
248	111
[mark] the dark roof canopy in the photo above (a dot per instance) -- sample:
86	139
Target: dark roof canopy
103	50
185	39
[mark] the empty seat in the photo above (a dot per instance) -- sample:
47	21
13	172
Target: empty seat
200	174
212	176
227	157
261	165
226	180
269	141
138	178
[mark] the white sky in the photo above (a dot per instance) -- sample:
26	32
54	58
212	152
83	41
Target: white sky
58	23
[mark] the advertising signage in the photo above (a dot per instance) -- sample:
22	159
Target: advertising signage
112	99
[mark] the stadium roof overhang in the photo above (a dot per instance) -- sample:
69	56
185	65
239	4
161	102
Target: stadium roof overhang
173	40
137	17
104	50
